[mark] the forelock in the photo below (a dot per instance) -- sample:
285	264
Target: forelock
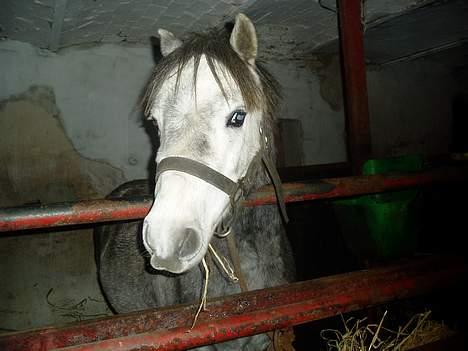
221	59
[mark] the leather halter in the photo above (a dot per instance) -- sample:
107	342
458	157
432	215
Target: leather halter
235	191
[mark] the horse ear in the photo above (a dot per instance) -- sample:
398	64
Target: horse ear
156	49
244	39
169	42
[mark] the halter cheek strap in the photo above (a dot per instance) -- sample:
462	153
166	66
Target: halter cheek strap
275	179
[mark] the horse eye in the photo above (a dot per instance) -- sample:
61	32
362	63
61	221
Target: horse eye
237	119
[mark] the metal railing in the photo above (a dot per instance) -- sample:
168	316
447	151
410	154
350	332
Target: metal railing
97	211
248	313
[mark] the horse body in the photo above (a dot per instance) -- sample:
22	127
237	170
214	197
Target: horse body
199	97
131	285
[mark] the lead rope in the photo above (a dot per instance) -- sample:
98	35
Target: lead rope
276	181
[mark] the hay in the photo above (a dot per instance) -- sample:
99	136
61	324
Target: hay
359	336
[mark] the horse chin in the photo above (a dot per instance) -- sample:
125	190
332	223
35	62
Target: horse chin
177	265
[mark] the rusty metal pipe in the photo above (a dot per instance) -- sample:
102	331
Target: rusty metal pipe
247	313
353	72
97	211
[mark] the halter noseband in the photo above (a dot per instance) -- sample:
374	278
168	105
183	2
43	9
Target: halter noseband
235	191
197	169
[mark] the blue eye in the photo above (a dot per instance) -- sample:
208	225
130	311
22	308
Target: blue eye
237	119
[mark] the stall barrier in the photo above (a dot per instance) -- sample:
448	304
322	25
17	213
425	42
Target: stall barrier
248	313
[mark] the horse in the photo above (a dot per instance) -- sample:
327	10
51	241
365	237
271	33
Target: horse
214	107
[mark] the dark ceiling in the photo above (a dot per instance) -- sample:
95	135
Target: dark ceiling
435	27
288	29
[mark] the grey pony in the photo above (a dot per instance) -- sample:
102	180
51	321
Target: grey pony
126	277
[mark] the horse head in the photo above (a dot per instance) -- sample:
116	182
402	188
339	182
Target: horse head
212	103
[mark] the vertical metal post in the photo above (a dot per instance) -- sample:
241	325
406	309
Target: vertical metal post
353	73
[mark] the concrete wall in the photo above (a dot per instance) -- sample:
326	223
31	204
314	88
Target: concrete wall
96	90
410	104
316	108
69	129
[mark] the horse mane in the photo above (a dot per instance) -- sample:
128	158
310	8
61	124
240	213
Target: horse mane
215	45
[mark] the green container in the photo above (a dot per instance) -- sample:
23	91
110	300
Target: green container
385	225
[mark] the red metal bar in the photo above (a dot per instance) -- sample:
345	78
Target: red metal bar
71	213
247	313
354	82
56	215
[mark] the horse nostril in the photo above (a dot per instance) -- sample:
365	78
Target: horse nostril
190	244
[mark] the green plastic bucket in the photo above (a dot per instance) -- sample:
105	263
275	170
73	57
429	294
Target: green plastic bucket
385	225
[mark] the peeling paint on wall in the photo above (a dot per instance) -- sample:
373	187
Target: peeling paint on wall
97	90
37	159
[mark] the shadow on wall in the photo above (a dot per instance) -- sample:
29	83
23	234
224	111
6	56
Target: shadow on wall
38	161
327	68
